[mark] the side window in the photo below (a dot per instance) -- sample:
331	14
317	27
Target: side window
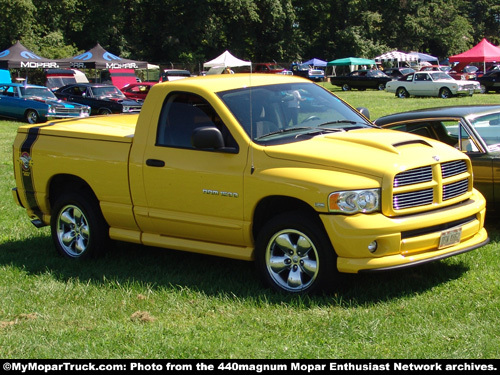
463	140
75	90
182	113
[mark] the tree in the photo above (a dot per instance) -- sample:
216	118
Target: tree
16	22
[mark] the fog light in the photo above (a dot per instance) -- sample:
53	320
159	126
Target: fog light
372	247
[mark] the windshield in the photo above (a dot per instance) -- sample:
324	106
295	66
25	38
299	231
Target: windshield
107	91
56	82
290	112
37	92
376	73
488	127
440	75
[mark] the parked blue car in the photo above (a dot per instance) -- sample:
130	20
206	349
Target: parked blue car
35	104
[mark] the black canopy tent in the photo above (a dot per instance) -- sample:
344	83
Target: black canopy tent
19	57
99	58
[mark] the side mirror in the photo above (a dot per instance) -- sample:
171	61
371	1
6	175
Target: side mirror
207	137
364	111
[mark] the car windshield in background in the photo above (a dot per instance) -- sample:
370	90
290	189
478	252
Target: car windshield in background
440	75
107	91
37	92
376	73
488	127
290	112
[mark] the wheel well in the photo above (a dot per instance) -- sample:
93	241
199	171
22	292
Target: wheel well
31	109
63	182
272	206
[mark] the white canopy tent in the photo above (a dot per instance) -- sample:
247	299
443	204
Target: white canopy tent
396	56
226	60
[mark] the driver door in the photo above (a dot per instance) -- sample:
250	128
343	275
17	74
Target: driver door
191	193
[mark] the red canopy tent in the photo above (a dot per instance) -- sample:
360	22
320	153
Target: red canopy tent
483	52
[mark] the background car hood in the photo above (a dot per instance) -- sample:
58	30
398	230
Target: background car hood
121	100
62	104
368	151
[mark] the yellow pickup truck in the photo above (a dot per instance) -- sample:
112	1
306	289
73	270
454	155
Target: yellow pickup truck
270	168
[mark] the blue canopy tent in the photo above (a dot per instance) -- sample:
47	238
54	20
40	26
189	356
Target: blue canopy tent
315	62
424	57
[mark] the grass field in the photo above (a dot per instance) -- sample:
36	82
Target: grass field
140	302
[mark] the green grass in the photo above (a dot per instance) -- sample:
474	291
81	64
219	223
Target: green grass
141	302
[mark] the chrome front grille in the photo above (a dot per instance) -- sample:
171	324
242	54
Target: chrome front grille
452	168
413	176
68	110
413	199
438	183
455	189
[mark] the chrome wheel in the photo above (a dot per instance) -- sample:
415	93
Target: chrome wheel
78	228
31	117
445	93
292	260
294	255
104	111
73	231
402	93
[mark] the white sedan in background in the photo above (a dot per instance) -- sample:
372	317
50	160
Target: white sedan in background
438	84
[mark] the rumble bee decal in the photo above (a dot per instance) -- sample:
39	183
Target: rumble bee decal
25	161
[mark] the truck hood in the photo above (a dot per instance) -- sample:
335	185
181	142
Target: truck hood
116	128
373	152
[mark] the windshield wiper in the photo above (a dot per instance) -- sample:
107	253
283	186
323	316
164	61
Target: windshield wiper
338	122
287	130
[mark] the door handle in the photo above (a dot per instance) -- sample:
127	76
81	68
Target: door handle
155	163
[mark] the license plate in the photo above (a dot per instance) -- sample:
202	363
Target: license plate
450	237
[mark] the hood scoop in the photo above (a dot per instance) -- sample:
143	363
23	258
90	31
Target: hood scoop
412	142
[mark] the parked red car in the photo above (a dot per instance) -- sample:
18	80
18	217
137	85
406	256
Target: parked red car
137	90
464	74
267	68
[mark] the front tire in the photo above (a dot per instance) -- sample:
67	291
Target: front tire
346	87
402	93
294	254
104	111
78	228
445	93
31	116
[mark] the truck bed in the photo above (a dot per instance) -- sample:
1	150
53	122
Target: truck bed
116	128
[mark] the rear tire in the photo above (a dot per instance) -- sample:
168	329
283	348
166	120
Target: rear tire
78	228
346	87
294	255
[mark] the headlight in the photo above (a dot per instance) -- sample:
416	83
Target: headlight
51	109
354	201
126	109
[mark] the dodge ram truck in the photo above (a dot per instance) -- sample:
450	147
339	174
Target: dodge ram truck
267	168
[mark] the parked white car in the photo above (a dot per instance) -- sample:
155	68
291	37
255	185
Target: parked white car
431	83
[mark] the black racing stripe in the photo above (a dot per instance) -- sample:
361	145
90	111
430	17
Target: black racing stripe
27	174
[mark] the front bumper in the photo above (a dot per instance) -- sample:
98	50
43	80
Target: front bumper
404	241
469	90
